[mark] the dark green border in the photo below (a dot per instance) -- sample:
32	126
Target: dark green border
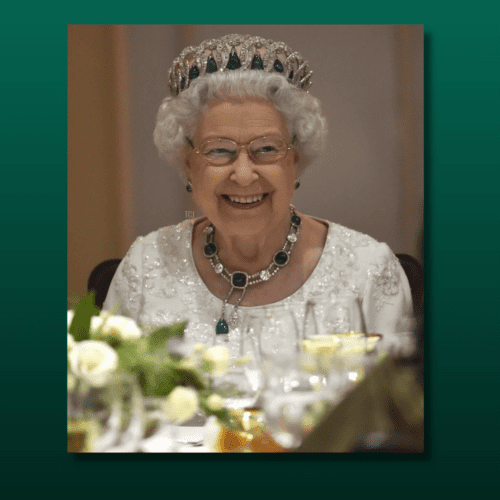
462	74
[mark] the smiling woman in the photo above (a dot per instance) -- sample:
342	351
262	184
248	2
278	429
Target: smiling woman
248	199
245	177
242	127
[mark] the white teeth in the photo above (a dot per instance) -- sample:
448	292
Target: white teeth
254	199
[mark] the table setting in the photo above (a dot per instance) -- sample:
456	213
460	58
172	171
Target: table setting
159	393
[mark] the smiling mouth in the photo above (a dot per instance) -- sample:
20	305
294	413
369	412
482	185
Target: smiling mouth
245	200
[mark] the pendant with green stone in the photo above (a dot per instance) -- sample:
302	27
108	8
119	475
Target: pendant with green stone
222	327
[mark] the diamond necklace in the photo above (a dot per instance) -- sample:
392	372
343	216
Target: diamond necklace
239	279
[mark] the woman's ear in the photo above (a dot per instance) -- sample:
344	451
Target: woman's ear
187	150
296	156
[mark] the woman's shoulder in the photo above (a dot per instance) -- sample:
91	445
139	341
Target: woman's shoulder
349	249
171	234
339	236
157	248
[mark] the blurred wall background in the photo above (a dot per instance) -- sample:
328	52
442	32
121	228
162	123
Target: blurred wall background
369	79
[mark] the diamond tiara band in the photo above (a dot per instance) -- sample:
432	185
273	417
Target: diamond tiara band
238	52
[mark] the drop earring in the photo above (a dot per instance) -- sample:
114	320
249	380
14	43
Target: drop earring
297	183
189	187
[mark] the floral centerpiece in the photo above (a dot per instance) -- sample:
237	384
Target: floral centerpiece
177	376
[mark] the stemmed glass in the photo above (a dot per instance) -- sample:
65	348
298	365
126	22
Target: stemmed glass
290	393
276	331
341	353
344	321
267	333
107	418
243	375
276	327
308	357
339	313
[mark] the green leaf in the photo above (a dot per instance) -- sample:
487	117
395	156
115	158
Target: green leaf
129	358
206	366
229	392
156	377
223	415
84	310
228	420
159	337
159	382
189	377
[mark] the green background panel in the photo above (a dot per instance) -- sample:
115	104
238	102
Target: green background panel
462	249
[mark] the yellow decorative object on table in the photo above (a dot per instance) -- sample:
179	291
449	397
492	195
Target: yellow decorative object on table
252	423
83	435
252	429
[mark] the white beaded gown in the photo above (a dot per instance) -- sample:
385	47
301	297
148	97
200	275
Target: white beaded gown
157	283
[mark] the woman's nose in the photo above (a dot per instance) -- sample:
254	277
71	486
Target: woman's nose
243	169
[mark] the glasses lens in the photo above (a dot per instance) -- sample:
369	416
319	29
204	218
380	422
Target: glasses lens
219	151
268	149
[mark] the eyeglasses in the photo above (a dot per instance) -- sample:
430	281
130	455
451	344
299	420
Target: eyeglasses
263	150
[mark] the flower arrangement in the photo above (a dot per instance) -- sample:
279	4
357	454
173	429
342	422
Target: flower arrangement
101	343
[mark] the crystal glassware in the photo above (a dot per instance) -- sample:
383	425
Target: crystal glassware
269	335
290	394
107	418
274	329
342	353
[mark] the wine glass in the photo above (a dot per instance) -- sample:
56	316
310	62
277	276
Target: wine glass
275	328
107	418
339	313
244	374
269	334
343	353
289	395
276	331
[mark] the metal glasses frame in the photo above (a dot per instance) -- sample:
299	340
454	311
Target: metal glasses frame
238	149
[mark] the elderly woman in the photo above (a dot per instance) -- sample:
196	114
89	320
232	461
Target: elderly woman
242	127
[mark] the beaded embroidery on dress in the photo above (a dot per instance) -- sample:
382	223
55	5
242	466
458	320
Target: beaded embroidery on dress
157	283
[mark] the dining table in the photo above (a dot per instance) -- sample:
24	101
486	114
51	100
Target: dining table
201	434
207	435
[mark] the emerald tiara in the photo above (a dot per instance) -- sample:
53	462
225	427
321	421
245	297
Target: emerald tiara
238	52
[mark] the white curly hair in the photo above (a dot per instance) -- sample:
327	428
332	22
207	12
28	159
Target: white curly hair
177	117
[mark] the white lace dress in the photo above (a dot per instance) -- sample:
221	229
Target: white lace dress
157	283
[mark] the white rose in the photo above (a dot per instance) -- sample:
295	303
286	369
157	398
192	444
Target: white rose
71	342
188	363
71	382
215	402
95	323
119	327
198	347
71	315
243	360
217	359
93	361
181	404
105	314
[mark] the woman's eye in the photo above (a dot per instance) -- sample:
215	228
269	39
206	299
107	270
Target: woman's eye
219	152
265	150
